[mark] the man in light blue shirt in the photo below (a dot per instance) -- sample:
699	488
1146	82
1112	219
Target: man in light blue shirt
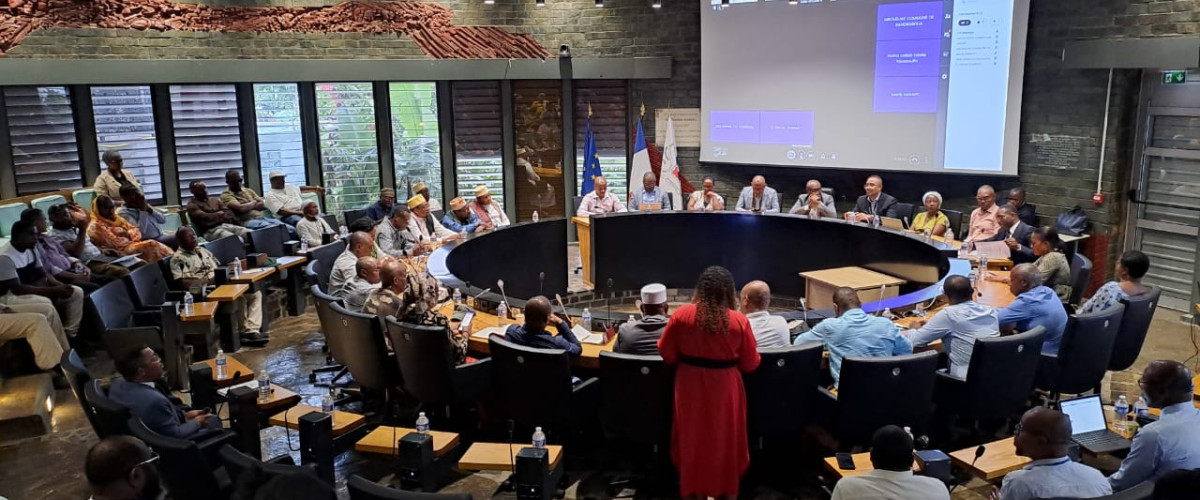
855	333
958	325
1044	435
1171	443
649	193
1036	305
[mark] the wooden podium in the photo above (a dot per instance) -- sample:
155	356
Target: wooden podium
820	285
583	229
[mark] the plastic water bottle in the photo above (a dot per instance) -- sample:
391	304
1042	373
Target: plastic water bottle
457	297
327	403
303	245
343	232
1120	412
222	368
422	423
237	268
264	386
1140	407
949	235
189	304
876	222
502	313
983	265
963	251
539	438
535	216
462	235
928	236
587	319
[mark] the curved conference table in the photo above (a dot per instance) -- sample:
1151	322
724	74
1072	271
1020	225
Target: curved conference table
632	249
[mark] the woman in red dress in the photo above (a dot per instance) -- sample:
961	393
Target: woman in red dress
711	345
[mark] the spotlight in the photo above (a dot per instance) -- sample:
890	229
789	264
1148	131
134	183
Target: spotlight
657	4
489	2
793	2
541	3
49	404
599	4
564	51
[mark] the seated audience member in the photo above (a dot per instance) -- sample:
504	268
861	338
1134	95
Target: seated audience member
122	468
56	261
533	333
875	203
424	225
814	202
958	326
23	280
460	218
366	225
283	200
1171	443
247	205
1035	305
641	337
983	224
383	207
1027	212
47	346
388	299
211	218
770	331
600	201
1051	262
135	389
706	199
649	193
358	245
365	280
139	213
758	197
1044	436
69	227
891	476
312	227
1016	234
194	267
855	333
1130	269
113	177
421	189
419	307
395	237
110	230
932	219
490	213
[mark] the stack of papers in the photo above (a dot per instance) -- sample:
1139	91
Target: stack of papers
993	249
253	384
586	336
487	332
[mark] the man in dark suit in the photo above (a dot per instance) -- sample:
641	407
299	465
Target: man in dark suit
1015	233
140	369
875	203
533	333
1027	212
641	337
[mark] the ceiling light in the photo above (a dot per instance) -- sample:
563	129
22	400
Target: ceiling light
489	2
657	4
599	4
793	2
541	3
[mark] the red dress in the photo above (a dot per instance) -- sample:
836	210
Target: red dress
708	440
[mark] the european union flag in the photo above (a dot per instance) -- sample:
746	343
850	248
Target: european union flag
591	160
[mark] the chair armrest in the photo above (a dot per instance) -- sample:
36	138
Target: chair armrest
586	387
946	378
827	393
210	443
175	295
284	459
473	379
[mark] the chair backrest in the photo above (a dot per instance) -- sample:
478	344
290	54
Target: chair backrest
83	197
10	213
638	397
874	392
79	378
147	286
329	322
1086	348
237	463
362	489
364	352
779	394
226	249
532	385
173	222
269	240
112	418
955	217
437	214
1000	377
1135	323
904	212
1143	491
110	306
332	221
352	215
1081	273
184	470
44	203
326	255
426	363
576	202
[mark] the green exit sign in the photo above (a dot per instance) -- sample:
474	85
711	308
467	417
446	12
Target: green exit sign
1174	77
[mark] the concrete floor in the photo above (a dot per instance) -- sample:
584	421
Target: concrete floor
50	467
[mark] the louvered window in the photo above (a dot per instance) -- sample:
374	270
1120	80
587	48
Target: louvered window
608	99
478	138
277	121
42	130
125	124
415	138
349	151
207	139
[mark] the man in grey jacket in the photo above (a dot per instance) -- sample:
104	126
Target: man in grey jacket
758	197
641	337
814	202
649	193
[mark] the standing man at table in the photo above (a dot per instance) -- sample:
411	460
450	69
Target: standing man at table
875	203
641	337
648	194
284	200
855	333
383	207
814	202
600	201
1171	443
706	199
1027	212
959	325
983	219
758	197
891	476
194	267
1016	234
1036	305
1044	435
533	333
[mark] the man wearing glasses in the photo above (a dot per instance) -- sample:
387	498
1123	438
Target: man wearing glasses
122	468
136	390
984	224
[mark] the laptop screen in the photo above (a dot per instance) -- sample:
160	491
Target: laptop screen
1087	415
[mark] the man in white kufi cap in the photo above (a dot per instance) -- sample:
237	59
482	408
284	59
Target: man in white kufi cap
641	336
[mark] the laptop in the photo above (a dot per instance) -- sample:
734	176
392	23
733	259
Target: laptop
1088	427
891	222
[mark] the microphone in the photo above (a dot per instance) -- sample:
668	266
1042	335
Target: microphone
804	308
608	301
561	307
541	281
500	284
905	222
882	289
978	453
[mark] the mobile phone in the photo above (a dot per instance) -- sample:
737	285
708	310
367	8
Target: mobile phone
465	326
845	461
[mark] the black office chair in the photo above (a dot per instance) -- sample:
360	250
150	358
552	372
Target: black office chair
226	249
638	399
1143	491
237	463
999	378
362	489
779	394
1081	273
956	218
576	202
426	362
78	377
1135	323
333	343
270	240
324	256
874	392
121	325
149	288
332	221
184	469
904	212
365	353
533	388
112	419
1083	354
353	215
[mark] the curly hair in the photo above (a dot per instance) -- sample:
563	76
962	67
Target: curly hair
715	295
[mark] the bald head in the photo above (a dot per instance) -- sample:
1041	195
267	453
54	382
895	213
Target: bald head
986	197
367	269
958	289
1166	383
1044	434
812	186
845	299
756	296
392	275
1024	277
537	313
360	244
117	467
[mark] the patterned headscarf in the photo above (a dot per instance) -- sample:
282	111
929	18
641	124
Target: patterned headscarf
420	293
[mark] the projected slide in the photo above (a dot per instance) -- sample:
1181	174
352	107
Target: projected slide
873	84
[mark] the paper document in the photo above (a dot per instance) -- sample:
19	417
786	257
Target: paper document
992	249
253	384
487	332
586	336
